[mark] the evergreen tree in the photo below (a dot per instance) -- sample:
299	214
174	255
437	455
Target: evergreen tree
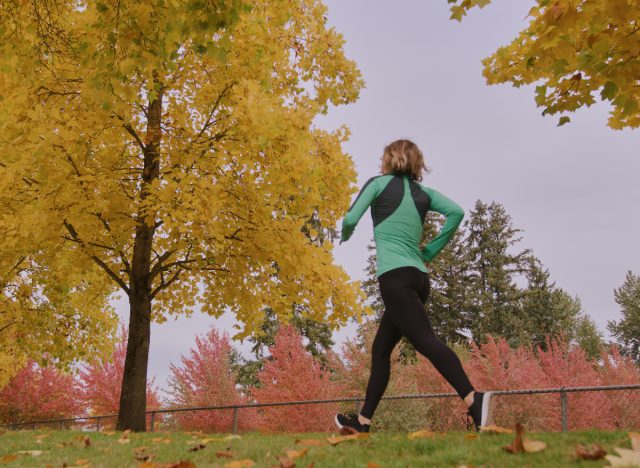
627	329
495	297
545	311
450	282
588	337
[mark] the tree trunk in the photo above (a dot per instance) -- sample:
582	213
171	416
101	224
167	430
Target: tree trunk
133	396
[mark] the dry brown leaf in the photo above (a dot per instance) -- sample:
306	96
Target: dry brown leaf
33	453
520	444
224	454
109	433
197	447
148	464
422	434
339	439
373	465
635	440
590	452
626	458
532	446
315	442
293	454
87	442
82	461
143	457
182	464
126	432
286	462
157	440
347	430
247	462
8	458
471	436
124	441
495	430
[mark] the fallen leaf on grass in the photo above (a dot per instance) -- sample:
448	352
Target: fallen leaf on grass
495	430
82	461
109	433
471	436
240	463
224	455
373	465
195	448
182	464
286	462
33	453
8	458
339	439
157	440
590	452
422	434
627	458
315	442
520	444
293	454
124	441
87	442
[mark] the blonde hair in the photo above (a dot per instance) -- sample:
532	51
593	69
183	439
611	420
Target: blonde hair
403	157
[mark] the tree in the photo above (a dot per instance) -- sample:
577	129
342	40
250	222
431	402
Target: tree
627	329
493	269
450	274
577	50
205	378
292	374
101	381
171	146
40	393
547	311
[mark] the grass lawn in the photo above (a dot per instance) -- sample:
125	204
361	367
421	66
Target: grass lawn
110	449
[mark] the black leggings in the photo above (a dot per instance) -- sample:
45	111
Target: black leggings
404	292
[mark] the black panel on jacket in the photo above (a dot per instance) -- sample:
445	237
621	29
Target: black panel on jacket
421	200
388	201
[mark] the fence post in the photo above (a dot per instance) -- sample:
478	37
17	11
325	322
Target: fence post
61	425
563	411
153	420
357	403
235	419
98	424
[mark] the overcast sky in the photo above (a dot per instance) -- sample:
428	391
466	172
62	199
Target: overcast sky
573	190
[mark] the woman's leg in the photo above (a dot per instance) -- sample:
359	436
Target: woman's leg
404	291
385	340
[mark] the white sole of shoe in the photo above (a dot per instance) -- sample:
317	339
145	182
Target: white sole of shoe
335	418
485	408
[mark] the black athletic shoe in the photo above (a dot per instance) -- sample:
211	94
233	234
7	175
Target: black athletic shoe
479	410
350	420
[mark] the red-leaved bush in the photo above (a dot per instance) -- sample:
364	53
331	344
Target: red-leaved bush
205	378
494	365
293	374
102	383
39	393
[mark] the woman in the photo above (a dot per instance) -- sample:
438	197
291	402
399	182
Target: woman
399	204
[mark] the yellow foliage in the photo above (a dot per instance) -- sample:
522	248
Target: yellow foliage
225	181
578	50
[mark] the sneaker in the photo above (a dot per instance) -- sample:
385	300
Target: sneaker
479	409
350	420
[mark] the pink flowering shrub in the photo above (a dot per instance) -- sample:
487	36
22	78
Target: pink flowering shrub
40	393
292	375
205	378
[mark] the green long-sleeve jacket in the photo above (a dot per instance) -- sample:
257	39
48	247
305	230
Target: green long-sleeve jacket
399	206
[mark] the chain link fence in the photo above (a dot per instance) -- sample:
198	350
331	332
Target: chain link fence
551	409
